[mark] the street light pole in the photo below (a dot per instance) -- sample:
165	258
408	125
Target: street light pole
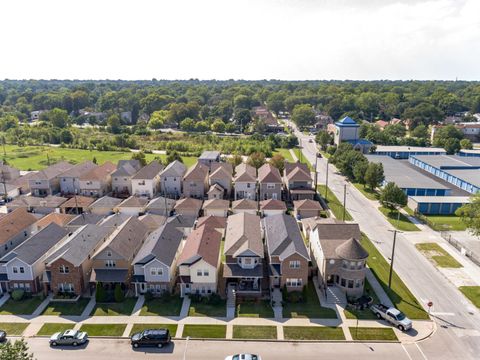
344	200
326	182
316	173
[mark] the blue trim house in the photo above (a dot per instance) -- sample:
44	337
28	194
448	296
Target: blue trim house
348	130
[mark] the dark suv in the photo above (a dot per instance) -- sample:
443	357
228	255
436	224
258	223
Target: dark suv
153	337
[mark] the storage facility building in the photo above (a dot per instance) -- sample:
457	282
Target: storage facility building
436	205
404	152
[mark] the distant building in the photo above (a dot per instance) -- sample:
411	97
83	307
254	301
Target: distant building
404	152
348	130
209	157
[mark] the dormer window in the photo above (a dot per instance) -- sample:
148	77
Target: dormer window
109	253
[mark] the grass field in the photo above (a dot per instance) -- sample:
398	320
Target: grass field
372	333
104	329
445	222
334	204
472	293
313	333
205	331
52	328
285	153
400	295
21	307
401	223
201	309
114	309
141	327
365	314
261	309
438	254
367	192
35	157
302	158
254	332
66	308
308	309
14	328
162	306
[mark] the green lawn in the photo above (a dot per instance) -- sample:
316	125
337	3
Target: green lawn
333	203
302	158
52	328
401	223
365	314
202	309
66	308
372	333
104	329
308	309
35	157
260	309
114	309
367	192
445	222
438	254
162	306
313	333
400	295
472	293
21	307
205	331
141	327
14	328
285	153
254	332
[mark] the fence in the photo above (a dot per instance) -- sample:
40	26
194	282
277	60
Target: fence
461	247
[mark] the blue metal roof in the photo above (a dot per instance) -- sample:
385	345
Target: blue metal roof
347	121
359	141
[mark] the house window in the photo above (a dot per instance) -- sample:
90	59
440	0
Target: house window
115	179
64	269
199	272
156	271
343	282
247	261
350	284
27	287
158	288
109	253
110	263
295	264
15	270
358	283
205	273
142	183
270	186
22	270
294	282
248	185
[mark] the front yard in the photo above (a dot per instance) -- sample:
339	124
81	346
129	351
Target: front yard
48	329
141	327
104	329
365	314
438	255
21	307
202	308
333	203
114	309
205	331
445	222
472	293
372	333
66	308
254	332
399	222
259	309
313	333
309	308
14	328
167	305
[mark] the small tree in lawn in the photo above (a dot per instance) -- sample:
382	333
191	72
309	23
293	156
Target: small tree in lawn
278	161
17	350
374	175
94	160
256	159
359	170
119	295
393	197
172	156
470	214
235	160
100	294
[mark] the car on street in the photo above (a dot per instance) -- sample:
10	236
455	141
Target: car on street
393	316
310	140
151	337
243	357
3	336
69	337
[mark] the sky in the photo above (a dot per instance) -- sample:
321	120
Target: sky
247	39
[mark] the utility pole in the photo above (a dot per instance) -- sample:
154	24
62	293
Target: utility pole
393	257
5	195
344	200
326	182
316	173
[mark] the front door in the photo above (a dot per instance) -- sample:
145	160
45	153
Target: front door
143	287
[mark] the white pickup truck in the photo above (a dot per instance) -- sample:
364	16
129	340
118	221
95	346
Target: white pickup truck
393	316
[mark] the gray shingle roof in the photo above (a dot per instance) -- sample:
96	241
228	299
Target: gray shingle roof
51	171
84	219
175	169
243	234
245	173
149	171
106	201
210	155
351	250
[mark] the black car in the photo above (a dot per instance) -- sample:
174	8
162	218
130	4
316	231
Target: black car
3	336
152	337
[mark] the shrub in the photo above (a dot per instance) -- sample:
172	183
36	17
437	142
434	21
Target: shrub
284	292
304	292
18	294
214	299
100	294
148	296
295	297
119	295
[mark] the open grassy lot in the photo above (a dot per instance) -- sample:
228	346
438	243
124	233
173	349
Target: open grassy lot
260	309
66	308
205	331
52	328
254	332
310	308
440	257
141	327
313	333
367	192
472	293
365	314
203	309
114	309
21	307
401	223
445	222
35	157
104	329
400	295
14	328
285	153
163	306
334	204
372	333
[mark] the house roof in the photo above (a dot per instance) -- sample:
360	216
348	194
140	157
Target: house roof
78	201
82	242
351	250
202	243
216	204
14	222
243	235
290	166
100	172
216	188
197	172
174	169
132	162
339	231
245	173
244	204
133	201
220	173
272	204
125	169
216	222
162	244
109	275
161	203
311	222
225	165
182	221
22	181
38	244
52	171
126	238
152	221
298	174
210	155
188	203
268	173
84	219
382	123
347	121
235	270
283	237
307	204
57	218
106	201
114	220
49	201
78	170
149	172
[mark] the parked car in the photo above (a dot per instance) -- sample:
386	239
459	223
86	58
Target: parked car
393	316
243	357
310	140
69	337
151	337
3	336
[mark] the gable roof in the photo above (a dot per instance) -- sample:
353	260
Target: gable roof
297	172
216	204
84	219
105	201
149	171
216	222
174	169
152	221
79	169
225	165
197	172
347	121
202	243
52	171
80	201
132	162
216	188
220	173
283	237
126	169
188	203
182	221
269	173
272	204
245	173
244	204
49	201
243	234
133	201
100	172
339	231
14	222
57	218
210	155
307	204
161	203
289	166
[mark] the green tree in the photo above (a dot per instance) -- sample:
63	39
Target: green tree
57	117
359	169
242	117
218	126
202	126
303	115
157	119
8	122
420	131
374	175
466	144
140	156
235	160
66	136
470	214
323	139
153	102
449	138
256	159
392	196
114	124
451	146
17	350
275	102
230	127
278	161
118	293
100	293
187	125
172	156
242	102
94	160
